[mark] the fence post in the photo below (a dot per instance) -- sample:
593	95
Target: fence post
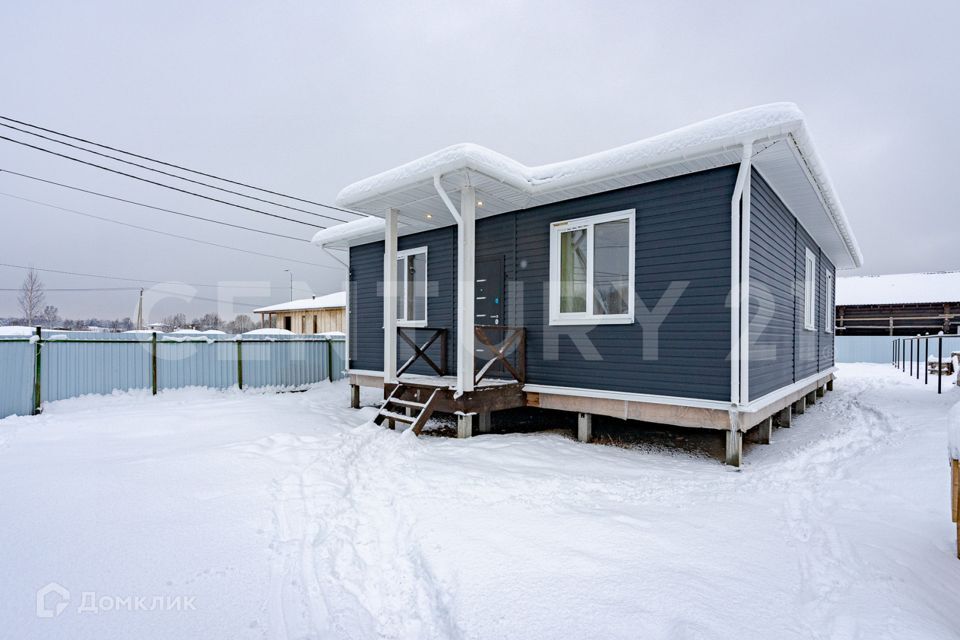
240	364
36	373
940	364
926	360
153	363
918	357
330	359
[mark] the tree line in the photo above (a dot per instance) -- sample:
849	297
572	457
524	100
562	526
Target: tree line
32	301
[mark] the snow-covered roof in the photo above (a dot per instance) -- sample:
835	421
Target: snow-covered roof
329	301
783	153
899	288
15	330
349	233
267	331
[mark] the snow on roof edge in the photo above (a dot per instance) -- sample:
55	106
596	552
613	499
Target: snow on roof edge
723	132
347	231
899	288
329	301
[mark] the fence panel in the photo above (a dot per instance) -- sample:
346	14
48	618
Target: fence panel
16	377
880	348
196	363
75	367
74	364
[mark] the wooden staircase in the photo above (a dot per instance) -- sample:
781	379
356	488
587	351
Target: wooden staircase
395	409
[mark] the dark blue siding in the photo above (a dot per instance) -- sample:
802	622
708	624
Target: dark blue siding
683	234
772	311
366	300
781	350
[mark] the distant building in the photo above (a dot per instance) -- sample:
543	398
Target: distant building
310	315
902	304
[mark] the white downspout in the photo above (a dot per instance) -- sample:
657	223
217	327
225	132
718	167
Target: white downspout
735	276
745	285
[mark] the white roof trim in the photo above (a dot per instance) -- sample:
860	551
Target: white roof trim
506	185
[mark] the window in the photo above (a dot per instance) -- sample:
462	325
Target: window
829	310
591	269
810	292
412	287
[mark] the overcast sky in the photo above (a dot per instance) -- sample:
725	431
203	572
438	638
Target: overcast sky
304	98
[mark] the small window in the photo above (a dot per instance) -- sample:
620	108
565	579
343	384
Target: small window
810	292
829	309
591	269
412	287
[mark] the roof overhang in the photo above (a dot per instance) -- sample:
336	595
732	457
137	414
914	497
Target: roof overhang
783	154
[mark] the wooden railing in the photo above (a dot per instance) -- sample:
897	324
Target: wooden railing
512	343
420	351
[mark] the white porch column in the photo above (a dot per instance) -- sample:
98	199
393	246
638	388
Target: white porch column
390	297
466	283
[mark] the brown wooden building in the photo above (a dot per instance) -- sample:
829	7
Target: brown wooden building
322	314
903	304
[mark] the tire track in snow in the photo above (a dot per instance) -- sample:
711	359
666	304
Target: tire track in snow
829	565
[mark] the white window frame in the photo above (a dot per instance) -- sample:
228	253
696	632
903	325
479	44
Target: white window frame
829	319
810	291
588	223
402	255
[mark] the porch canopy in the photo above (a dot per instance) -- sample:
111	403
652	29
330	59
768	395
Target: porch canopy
420	195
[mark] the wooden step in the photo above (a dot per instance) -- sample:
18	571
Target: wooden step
399	417
405	403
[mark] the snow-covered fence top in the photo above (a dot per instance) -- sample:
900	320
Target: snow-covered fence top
953	431
63	364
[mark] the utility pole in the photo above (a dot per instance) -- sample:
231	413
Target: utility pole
140	312
291	283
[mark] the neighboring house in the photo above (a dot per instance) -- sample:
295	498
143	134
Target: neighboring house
612	282
309	315
902	304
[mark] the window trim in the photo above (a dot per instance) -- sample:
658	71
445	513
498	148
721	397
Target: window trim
830	318
402	255
810	290
588	317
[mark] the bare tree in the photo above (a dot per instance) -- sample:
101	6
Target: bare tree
51	315
31	297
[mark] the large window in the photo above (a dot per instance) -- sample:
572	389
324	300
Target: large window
591	269
810	291
412	287
829	310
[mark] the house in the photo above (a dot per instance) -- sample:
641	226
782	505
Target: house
309	315
686	279
902	304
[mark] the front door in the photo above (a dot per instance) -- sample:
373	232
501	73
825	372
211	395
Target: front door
488	308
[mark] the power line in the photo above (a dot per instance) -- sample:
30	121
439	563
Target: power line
175	166
170	175
163	233
171	293
160	184
139	280
150	206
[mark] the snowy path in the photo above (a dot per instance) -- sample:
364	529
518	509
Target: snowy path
287	517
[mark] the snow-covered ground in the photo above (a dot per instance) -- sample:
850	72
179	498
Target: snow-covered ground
285	516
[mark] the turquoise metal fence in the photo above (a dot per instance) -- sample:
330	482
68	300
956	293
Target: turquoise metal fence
878	348
59	365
